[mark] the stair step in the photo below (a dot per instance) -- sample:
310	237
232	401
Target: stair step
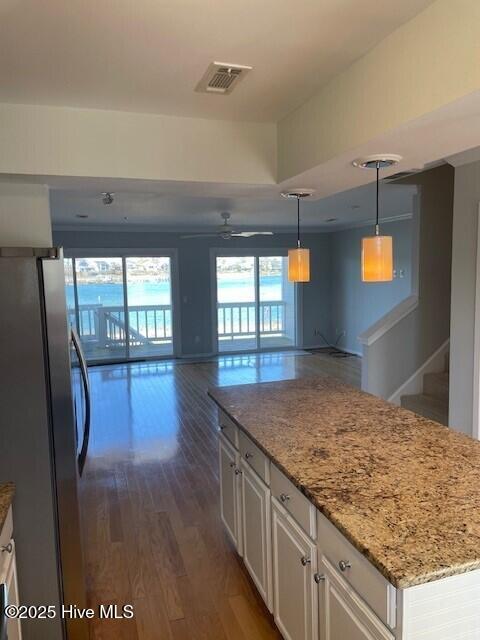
436	384
427	406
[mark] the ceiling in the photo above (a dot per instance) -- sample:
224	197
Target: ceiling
148	55
163	209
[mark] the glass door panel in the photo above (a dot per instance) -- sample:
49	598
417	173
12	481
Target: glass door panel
101	316
149	299
236	303
277	303
70	292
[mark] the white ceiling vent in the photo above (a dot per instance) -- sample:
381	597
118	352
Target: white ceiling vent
222	78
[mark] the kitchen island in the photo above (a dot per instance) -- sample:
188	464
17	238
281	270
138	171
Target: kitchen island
390	522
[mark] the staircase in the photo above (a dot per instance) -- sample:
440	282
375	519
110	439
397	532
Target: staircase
432	403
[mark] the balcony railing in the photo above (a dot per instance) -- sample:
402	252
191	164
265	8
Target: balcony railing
104	326
237	319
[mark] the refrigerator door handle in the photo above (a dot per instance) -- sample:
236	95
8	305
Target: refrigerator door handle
3	615
82	456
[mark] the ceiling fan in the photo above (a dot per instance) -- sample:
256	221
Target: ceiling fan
225	231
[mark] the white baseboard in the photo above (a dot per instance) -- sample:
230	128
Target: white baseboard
414	384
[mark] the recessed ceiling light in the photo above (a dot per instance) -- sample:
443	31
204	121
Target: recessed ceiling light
82	216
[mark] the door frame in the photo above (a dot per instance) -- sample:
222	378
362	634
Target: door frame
256	253
175	292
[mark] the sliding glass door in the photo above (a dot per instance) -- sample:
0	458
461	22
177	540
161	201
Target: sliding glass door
121	306
277	303
236	303
255	305
149	300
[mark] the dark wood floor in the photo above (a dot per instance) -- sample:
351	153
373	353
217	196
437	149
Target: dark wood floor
153	535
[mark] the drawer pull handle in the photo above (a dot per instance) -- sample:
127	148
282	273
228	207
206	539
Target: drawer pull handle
8	548
343	565
237	472
248	455
284	497
232	464
305	560
319	577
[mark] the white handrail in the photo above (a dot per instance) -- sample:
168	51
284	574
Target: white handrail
389	320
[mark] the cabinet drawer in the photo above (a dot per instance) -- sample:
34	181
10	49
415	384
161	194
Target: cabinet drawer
255	457
228	428
293	500
369	583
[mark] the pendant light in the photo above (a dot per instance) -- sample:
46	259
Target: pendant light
377	250
298	258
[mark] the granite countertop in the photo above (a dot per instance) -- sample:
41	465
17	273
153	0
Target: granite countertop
404	490
7	491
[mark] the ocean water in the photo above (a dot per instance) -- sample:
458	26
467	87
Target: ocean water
230	289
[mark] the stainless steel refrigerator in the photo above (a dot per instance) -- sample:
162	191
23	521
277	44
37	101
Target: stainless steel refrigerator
43	439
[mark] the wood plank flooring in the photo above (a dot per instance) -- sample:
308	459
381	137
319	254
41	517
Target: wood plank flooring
150	514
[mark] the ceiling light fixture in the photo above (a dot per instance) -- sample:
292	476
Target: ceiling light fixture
377	250
107	197
299	258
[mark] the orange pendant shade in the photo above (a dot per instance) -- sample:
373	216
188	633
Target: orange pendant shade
377	259
299	265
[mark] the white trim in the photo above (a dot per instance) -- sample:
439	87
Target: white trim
389	320
414	384
476	344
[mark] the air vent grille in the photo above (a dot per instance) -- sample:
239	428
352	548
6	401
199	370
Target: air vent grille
221	77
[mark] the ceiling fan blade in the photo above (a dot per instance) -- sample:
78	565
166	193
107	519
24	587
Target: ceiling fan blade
200	235
249	234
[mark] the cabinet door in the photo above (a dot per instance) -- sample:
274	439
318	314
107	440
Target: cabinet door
257	552
230	489
8	576
343	614
294	565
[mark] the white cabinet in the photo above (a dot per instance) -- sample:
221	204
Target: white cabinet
342	613
8	576
230	491
257	552
294	566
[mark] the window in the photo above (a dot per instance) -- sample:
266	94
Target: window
121	306
256	304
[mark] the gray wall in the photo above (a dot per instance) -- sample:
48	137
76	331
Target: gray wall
394	357
465	221
356	305
195	281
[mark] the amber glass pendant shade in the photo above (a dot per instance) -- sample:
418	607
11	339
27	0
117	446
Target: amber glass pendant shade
299	265
377	259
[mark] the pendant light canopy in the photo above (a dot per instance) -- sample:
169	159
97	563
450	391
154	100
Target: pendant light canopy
298	258
377	250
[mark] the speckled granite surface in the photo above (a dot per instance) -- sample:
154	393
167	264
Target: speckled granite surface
7	491
404	490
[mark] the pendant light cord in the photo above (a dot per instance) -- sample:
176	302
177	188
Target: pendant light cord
298	222
377	228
